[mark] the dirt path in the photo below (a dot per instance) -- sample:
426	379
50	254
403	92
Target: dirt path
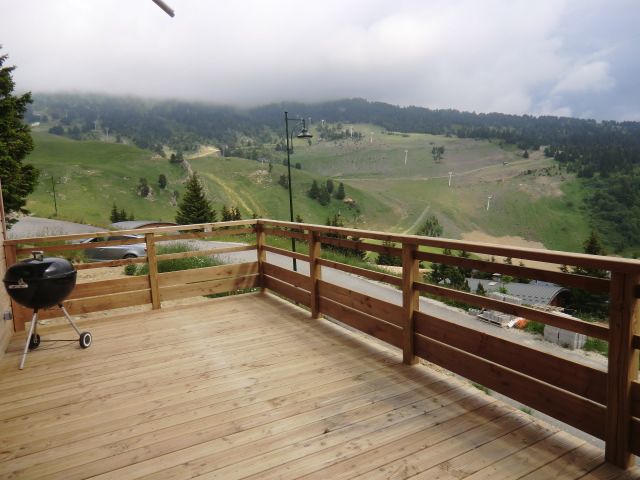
414	226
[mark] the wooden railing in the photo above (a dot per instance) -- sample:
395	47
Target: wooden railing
603	403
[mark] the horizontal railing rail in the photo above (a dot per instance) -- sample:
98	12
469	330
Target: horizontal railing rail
604	402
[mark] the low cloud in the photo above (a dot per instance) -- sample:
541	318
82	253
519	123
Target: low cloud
510	56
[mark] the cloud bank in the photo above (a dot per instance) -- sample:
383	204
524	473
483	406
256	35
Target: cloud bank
546	57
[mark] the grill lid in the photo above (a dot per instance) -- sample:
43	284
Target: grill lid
39	268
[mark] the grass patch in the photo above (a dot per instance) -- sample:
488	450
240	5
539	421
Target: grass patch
175	264
534	327
596	345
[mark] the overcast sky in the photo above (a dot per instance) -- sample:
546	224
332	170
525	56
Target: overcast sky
573	57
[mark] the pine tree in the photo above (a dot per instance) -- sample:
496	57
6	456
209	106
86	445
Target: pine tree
314	191
227	216
194	207
235	213
18	179
340	195
115	216
323	196
162	181
480	289
330	186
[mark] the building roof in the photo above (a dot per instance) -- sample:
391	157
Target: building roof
133	224
534	293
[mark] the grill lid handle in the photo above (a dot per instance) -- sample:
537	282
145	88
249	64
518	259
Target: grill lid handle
38	255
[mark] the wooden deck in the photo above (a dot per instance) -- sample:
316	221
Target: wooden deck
250	387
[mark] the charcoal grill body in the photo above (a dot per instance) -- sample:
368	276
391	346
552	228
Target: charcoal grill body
39	283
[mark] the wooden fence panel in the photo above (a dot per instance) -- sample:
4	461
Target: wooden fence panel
365	323
574	377
211	287
298	295
359	301
566	407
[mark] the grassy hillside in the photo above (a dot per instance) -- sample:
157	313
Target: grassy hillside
91	176
531	198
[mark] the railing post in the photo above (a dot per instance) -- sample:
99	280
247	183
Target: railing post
20	314
153	270
410	299
623	367
261	239
315	272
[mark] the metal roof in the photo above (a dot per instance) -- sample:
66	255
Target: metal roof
533	293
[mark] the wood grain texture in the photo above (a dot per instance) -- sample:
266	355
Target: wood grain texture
571	409
623	367
571	376
176	393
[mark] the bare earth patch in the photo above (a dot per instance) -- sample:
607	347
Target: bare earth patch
510	241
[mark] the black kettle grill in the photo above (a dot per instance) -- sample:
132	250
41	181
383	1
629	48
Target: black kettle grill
39	283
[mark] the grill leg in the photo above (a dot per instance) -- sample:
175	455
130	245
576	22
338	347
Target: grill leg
66	314
32	331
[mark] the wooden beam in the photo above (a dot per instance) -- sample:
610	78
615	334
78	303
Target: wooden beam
410	301
196	275
550	256
574	377
174	292
286	253
635	399
296	279
288	291
136	231
153	270
623	367
364	303
634	436
579	326
370	325
107	287
315	273
261	240
20	314
205	253
566	407
363	272
592	284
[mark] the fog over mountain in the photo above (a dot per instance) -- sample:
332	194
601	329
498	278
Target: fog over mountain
572	57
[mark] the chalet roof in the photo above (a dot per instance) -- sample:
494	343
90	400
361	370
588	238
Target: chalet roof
534	293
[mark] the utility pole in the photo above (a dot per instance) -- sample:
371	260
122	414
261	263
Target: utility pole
450	174
406	152
55	201
489	197
371	137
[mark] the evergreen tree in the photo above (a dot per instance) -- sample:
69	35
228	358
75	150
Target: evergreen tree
330	186
299	218
340	195
143	188
123	215
235	213
18	179
194	207
480	289
314	191
227	216
387	259
431	227
323	196
115	216
162	181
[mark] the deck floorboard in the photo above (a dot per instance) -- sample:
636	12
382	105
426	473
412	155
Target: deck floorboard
249	387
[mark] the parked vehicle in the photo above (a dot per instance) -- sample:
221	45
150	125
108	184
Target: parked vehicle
115	252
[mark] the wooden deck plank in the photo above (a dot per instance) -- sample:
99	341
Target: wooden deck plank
251	387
